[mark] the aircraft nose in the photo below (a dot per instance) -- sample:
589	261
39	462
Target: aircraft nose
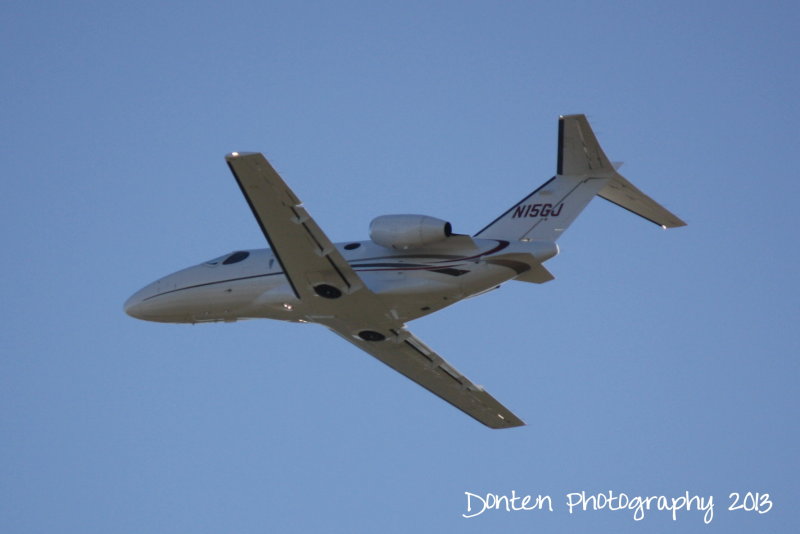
142	304
151	303
134	306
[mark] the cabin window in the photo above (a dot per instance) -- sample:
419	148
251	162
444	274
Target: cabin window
352	246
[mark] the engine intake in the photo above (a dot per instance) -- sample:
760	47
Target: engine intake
403	232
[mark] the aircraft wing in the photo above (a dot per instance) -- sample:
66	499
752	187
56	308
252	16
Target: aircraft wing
319	274
406	354
313	266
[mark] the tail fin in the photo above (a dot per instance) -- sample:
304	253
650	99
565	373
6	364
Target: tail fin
583	171
579	153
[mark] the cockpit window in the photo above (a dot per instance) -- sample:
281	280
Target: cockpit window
236	257
227	259
216	261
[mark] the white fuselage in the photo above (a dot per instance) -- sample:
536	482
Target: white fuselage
251	284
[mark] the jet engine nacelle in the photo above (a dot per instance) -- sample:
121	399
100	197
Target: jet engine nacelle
408	231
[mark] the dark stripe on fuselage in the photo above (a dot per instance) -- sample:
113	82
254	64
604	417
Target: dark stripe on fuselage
359	268
204	284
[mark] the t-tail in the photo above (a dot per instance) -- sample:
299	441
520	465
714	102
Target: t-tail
582	171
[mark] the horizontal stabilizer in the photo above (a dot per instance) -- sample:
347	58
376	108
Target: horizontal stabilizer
626	195
537	274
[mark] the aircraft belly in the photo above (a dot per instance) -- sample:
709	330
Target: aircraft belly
402	282
223	301
485	276
416	293
278	302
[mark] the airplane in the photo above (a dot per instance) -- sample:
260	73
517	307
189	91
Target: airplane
412	266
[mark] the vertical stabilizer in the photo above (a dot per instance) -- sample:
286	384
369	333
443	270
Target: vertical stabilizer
579	153
582	171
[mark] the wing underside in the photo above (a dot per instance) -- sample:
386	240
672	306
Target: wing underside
408	355
337	297
307	256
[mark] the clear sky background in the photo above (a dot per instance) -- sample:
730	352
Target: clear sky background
658	362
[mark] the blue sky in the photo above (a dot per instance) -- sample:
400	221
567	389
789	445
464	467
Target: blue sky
655	364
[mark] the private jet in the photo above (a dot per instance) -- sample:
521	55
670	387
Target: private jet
412	266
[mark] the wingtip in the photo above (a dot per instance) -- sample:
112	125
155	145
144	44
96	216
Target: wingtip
676	223
516	424
509	420
234	155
